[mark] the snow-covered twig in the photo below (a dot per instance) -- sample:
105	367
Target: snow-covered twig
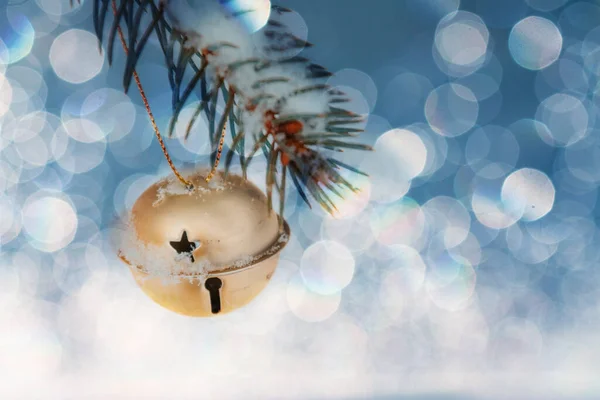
281	103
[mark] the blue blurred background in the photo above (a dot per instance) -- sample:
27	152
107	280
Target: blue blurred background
466	268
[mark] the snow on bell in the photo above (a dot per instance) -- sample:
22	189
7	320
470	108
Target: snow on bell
202	251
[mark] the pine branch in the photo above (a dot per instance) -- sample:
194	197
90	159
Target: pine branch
286	138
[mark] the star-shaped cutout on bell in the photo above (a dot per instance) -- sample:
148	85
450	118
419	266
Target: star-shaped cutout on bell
184	246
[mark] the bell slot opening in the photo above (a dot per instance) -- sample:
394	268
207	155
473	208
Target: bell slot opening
213	285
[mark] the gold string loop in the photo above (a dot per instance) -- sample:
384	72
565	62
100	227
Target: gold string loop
186	183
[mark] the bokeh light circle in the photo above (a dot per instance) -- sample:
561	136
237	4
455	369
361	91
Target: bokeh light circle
402	222
49	221
535	43
451	109
308	305
327	267
79	146
111	110
524	247
447	218
566	117
287	23
400	156
357	80
16	38
489	207
74	56
530	190
406	269
451	283
462	38
253	14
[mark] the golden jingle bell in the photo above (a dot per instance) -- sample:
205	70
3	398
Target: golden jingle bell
204	251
